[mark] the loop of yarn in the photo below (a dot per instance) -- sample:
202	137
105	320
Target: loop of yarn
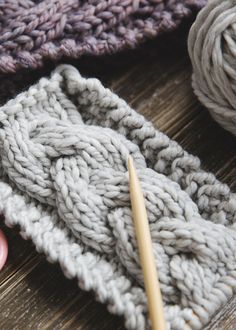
212	49
63	153
31	31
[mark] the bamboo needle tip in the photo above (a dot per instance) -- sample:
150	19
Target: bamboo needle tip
132	172
130	162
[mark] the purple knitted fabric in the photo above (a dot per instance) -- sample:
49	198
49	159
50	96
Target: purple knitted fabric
32	31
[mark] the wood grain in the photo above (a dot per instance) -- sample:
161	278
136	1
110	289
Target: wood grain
154	80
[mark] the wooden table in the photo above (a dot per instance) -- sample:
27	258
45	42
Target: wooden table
156	81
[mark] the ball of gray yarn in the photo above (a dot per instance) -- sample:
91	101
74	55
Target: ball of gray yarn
212	49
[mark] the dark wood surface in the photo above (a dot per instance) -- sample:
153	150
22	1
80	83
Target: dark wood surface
156	81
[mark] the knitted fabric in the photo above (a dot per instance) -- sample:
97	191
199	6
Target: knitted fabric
212	48
31	31
63	149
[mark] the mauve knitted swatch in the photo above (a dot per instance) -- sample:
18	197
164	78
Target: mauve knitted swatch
31	31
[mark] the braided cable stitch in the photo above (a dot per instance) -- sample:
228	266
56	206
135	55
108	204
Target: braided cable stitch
31	31
212	48
64	145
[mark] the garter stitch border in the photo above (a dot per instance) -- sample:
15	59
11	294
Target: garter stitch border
32	31
63	146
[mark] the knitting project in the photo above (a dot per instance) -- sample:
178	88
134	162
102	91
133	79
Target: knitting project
212	49
32	31
63	153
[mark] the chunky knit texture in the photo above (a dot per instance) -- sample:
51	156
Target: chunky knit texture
31	31
212	48
64	146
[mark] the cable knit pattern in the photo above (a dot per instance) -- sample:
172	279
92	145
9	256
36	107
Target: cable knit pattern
64	180
31	31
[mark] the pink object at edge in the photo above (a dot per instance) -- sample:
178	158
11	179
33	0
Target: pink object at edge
3	250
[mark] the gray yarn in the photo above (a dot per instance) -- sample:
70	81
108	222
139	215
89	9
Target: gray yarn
64	145
212	49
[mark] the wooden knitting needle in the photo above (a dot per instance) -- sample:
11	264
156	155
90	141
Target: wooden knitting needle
151	281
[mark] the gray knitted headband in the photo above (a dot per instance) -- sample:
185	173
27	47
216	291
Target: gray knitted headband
64	145
32	31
